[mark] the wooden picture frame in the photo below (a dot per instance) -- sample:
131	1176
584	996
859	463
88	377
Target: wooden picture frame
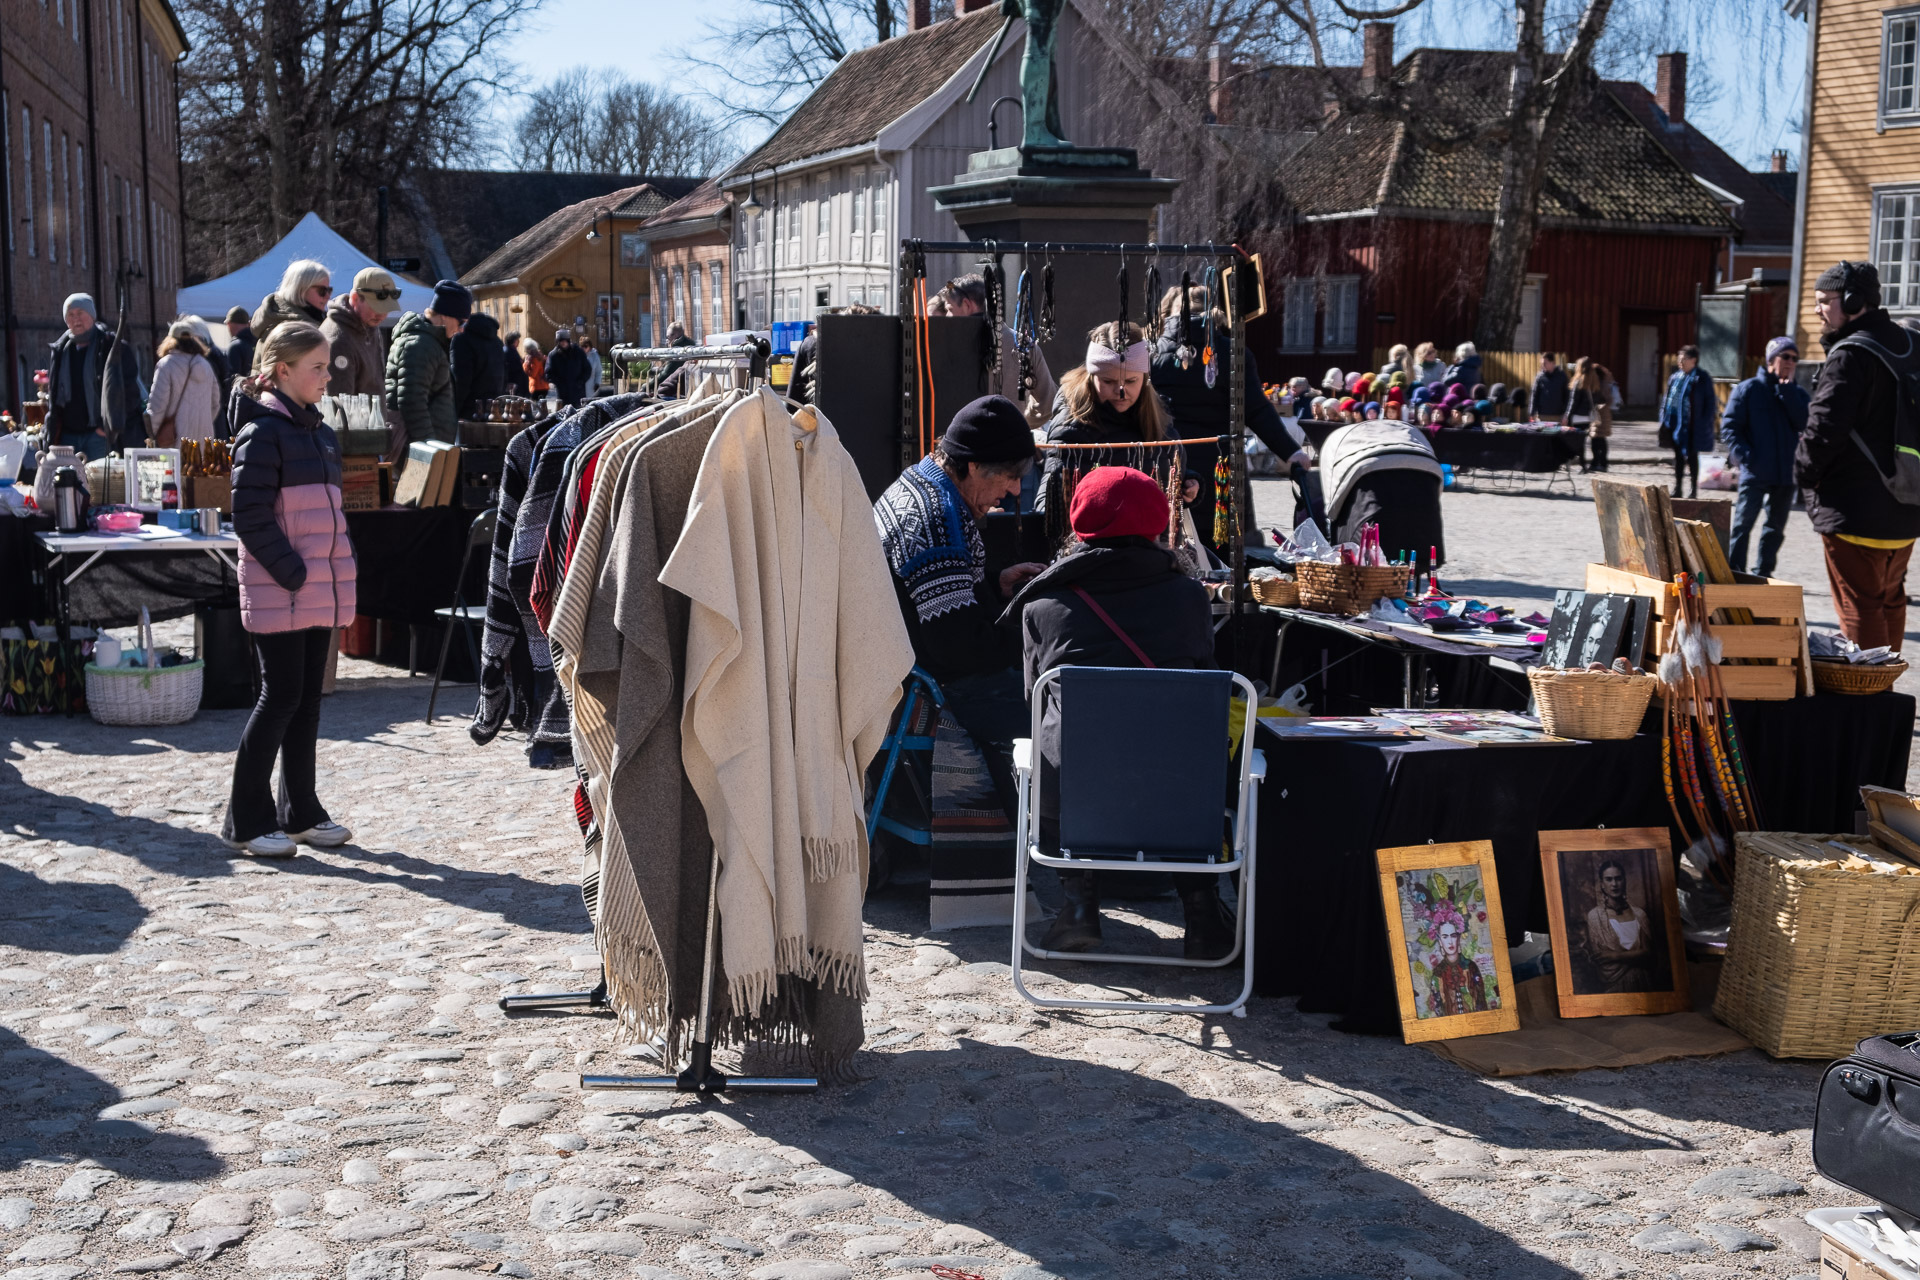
1605	975
1458	895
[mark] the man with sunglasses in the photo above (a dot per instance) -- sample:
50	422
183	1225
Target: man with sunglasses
1762	425
358	360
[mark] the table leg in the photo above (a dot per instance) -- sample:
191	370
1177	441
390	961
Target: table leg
1406	680
1279	643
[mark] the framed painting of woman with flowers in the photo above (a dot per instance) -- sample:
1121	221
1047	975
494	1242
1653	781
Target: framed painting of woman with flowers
1448	940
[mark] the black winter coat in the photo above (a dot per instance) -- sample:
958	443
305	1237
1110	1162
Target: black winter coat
1550	393
121	413
479	364
272	455
1142	589
1854	392
568	370
1762	427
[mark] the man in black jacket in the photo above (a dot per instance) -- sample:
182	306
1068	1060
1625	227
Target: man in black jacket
568	369
93	415
1132	585
928	531
1868	534
1550	394
479	364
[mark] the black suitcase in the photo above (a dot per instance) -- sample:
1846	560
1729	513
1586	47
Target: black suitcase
1866	1123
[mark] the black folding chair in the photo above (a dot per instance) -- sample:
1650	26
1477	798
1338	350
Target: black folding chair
468	616
1144	773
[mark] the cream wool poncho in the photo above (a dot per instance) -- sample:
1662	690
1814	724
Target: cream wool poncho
795	654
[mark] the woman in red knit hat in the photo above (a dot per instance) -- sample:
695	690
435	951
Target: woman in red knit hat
1119	595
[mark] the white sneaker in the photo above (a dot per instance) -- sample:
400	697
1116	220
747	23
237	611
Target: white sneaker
275	844
326	835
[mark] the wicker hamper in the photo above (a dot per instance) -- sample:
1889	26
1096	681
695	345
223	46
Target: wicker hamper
1597	706
144	695
1839	676
1818	957
1347	589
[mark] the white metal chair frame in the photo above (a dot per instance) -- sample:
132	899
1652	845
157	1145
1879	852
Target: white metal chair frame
1253	770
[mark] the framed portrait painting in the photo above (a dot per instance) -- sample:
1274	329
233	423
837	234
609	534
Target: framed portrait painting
1615	922
1448	940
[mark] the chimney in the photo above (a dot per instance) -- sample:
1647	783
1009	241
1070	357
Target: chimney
974	6
1376	58
1219	92
1777	162
919	14
1670	88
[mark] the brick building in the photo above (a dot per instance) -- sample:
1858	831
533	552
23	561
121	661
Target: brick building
90	148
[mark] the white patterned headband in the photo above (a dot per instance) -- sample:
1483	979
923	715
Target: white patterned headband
1104	359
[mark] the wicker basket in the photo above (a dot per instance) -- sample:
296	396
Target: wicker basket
1594	705
1347	589
143	695
1281	593
1818	957
1835	675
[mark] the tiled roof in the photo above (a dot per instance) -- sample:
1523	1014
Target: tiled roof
872	87
527	249
703	201
478	210
1764	216
1605	168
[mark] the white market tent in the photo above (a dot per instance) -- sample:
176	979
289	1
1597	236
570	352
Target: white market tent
310	238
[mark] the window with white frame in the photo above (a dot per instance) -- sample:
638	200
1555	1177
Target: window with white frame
80	176
696	314
877	208
717	294
662	298
612	317
793	235
1899	61
857	228
53	197
1301	301
1343	313
823	220
1896	228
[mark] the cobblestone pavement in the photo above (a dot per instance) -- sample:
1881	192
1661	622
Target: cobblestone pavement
218	1067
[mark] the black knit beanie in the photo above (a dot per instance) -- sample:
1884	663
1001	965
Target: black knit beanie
991	429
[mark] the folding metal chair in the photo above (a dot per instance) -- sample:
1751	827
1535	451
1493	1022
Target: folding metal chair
466	616
1134	799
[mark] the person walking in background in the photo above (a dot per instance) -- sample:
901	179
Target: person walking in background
592	353
535	366
510	361
297	578
1550	389
1688	413
305	288
1428	368
240	345
1590	405
1848	450
186	390
1765	416
420	369
76	416
567	369
352	329
1465	369
479	365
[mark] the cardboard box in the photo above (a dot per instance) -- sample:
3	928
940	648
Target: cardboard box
1837	1262
210	491
359	482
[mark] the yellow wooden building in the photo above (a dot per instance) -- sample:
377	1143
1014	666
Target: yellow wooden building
586	267
1859	195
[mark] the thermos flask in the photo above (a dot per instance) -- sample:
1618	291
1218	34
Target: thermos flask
69	501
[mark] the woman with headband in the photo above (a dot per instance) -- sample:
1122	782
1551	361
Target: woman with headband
1108	401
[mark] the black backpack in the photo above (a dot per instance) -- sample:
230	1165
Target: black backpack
1904	483
1866	1122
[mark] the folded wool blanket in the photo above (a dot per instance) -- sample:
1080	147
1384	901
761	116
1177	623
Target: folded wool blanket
795	654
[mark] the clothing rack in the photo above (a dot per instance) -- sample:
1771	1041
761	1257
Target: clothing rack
1138	444
756	353
912	273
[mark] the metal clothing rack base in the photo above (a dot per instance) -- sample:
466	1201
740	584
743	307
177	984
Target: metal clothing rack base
595	1000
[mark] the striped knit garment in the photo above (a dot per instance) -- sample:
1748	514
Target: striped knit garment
505	661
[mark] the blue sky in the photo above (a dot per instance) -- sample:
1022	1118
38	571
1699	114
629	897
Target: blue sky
1745	90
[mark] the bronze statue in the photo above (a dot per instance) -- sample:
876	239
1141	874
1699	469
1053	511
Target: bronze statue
1039	90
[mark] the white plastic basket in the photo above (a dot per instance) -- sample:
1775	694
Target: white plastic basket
144	695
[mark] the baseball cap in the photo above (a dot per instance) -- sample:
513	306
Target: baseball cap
379	290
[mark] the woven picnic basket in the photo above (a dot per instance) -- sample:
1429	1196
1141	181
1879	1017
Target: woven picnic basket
1598	706
144	695
1282	593
1347	589
1835	675
1818	957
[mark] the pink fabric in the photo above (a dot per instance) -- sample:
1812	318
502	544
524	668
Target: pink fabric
316	525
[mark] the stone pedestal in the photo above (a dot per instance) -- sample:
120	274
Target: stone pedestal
1064	195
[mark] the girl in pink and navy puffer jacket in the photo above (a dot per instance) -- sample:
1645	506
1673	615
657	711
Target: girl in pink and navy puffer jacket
296	588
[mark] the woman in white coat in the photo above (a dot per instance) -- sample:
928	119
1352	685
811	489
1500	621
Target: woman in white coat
185	401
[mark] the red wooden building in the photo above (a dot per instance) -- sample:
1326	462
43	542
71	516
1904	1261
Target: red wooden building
1381	240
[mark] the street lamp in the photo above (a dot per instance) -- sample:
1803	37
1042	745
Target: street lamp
606	306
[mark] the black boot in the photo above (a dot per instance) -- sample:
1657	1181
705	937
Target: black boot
1209	922
1599	453
1077	925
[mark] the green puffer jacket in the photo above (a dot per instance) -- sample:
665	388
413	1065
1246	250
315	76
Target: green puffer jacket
420	379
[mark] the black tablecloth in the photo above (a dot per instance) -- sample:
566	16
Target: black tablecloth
1532	451
407	561
1363	674
1326	806
21	600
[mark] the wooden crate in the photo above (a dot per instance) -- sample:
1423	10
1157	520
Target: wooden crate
1775	641
359	482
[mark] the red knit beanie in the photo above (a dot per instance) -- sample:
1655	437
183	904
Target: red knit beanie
1117	502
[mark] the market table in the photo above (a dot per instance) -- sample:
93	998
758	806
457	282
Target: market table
406	561
113	575
1470	674
1512	452
1327	806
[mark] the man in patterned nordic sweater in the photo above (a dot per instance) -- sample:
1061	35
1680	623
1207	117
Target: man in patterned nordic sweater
927	526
